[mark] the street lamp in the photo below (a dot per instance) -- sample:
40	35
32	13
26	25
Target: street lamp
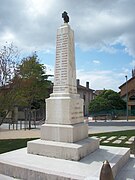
126	98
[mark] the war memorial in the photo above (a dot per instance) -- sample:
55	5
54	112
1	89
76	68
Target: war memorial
64	150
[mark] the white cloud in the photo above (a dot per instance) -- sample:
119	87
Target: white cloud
132	63
101	79
97	24
50	71
32	24
104	79
96	61
125	72
7	36
108	49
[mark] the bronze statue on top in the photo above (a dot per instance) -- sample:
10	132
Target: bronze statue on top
65	17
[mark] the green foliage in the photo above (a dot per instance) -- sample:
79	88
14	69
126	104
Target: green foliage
31	68
27	88
8	60
9	57
33	81
107	100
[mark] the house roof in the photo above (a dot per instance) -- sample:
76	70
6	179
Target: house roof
127	82
97	92
84	88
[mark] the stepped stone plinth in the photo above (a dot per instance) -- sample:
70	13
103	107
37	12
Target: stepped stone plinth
22	165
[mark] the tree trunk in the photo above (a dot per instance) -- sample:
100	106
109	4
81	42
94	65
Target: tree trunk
3	118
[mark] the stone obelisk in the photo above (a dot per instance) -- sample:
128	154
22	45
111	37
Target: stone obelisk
64	128
64	136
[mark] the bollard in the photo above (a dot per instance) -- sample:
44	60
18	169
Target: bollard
106	171
134	147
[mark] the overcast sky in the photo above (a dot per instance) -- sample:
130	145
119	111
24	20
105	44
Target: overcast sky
104	35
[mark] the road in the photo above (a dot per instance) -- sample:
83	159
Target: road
110	126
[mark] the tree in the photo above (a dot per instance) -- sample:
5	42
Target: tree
33	78
22	84
33	83
9	57
8	60
108	100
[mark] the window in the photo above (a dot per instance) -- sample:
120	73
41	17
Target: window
84	97
132	98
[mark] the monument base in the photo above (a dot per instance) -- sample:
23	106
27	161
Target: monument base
69	151
64	108
64	133
19	164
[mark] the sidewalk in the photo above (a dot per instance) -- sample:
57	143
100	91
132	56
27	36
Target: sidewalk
35	133
103	129
20	134
5	133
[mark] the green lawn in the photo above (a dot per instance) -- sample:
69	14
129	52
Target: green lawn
13	144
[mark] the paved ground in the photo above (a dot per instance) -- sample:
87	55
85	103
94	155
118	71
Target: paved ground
5	133
110	126
19	134
94	127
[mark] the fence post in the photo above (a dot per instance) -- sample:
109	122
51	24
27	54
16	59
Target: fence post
106	171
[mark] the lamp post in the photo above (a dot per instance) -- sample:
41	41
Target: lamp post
126	99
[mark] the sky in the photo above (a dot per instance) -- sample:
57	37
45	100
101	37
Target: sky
104	35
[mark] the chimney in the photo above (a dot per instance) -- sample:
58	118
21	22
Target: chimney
78	82
133	72
87	85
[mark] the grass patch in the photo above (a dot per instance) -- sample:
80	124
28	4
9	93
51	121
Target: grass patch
128	133
12	144
118	134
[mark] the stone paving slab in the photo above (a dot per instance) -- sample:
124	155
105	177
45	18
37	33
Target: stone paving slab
128	142
106	141
103	137
95	136
117	141
131	139
111	138
122	137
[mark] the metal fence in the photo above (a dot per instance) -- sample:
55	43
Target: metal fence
112	114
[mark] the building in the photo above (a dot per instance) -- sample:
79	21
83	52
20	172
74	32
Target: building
98	92
127	91
86	94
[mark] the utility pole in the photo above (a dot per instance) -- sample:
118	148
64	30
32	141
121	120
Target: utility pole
126	98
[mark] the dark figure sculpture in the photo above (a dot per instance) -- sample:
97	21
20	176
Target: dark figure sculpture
65	17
